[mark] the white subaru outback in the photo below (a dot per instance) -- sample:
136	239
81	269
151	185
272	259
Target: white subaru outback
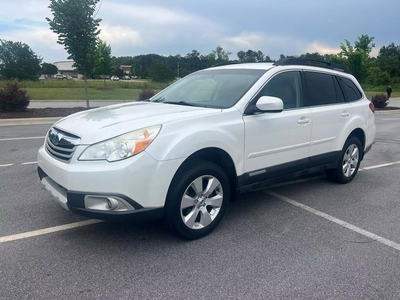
184	153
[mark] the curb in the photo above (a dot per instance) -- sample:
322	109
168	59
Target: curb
29	121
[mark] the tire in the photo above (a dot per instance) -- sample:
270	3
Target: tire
349	162
197	199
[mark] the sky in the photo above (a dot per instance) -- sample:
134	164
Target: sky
171	27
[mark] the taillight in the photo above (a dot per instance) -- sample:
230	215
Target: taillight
372	106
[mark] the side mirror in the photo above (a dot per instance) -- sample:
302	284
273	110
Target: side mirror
269	104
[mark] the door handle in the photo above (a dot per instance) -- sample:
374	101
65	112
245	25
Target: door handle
303	121
345	114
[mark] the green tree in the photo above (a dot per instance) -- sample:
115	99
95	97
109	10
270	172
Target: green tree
252	56
314	56
77	29
389	59
103	65
160	72
49	69
17	60
378	77
364	44
357	57
218	55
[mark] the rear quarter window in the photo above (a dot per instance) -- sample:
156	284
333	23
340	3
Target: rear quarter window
350	89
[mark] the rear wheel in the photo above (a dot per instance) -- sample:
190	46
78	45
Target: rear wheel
197	199
349	162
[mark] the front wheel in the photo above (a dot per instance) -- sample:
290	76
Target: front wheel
197	199
349	162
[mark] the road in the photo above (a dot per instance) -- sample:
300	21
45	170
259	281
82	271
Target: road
308	239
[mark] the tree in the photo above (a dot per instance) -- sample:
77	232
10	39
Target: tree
77	29
357	57
49	69
378	77
314	56
218	55
252	56
103	60
17	60
160	72
389	59
364	44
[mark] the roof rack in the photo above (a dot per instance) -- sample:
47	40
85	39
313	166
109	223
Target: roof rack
225	63
313	63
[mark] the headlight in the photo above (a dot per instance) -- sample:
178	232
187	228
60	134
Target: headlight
122	146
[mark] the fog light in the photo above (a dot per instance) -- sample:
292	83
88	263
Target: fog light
112	203
107	203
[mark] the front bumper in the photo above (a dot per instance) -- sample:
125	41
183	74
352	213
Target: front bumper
75	202
138	185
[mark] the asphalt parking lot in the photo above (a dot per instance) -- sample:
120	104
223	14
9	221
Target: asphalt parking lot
308	239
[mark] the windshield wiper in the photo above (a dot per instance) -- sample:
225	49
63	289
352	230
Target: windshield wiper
161	99
180	103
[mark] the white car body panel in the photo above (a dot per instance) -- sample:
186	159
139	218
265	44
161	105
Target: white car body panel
107	122
276	138
255	141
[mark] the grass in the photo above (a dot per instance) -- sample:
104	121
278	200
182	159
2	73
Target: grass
116	90
74	89
371	93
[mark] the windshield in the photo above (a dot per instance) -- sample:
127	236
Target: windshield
210	88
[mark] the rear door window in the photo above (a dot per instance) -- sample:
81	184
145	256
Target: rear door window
321	89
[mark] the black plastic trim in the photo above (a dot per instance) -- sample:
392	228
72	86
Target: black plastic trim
41	173
312	63
286	172
136	215
367	149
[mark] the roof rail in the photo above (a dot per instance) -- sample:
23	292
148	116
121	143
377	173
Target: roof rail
225	63
313	63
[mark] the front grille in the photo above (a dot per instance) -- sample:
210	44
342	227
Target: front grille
61	145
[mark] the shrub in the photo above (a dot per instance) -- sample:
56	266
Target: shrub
146	94
379	101
13	98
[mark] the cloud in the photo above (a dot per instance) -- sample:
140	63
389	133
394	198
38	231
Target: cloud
269	44
322	49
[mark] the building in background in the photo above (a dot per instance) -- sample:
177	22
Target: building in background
127	69
66	68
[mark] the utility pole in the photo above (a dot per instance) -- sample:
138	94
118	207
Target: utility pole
178	70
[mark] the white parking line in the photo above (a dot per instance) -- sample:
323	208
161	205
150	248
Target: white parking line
29	163
7	165
23	138
29	234
382	165
342	223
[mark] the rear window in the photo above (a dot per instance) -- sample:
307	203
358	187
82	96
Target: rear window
350	89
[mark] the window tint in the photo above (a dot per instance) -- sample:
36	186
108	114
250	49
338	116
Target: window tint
286	86
350	89
339	92
320	89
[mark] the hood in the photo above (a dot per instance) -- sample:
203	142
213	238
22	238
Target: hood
99	124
